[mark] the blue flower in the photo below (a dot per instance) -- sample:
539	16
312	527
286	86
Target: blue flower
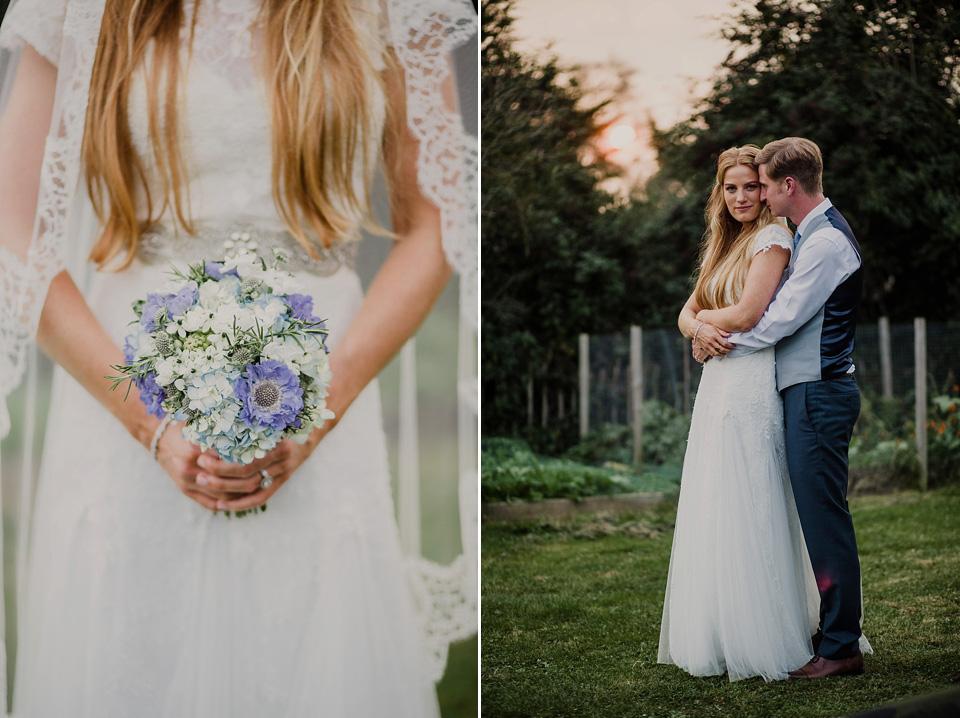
301	307
174	304
271	395
215	270
151	394
180	302
129	351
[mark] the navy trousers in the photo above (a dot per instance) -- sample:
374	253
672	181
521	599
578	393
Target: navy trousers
819	418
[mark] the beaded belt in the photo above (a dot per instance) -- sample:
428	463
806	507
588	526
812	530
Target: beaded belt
159	244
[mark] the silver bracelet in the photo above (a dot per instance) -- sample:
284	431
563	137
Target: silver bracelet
155	444
697	332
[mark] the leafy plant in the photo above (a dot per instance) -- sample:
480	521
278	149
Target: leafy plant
510	471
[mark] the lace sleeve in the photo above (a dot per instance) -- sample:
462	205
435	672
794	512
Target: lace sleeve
37	23
424	36
773	235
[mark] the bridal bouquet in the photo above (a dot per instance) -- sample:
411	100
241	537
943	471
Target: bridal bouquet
233	351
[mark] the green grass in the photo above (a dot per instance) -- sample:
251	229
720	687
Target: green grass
571	618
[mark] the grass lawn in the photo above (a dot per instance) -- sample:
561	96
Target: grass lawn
571	618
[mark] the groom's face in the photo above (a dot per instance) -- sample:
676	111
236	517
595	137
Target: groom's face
772	194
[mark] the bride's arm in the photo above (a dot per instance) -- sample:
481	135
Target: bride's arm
68	331
687	321
761	284
706	337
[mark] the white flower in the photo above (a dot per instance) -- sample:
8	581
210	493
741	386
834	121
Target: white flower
213	294
281	282
246	263
287	350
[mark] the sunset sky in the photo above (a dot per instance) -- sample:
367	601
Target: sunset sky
673	46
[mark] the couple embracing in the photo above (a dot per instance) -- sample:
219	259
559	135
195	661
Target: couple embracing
764	574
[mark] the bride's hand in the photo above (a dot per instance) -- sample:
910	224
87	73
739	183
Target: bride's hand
241	483
713	340
178	458
699	355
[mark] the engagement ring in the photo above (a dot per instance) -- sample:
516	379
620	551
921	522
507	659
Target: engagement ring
266	481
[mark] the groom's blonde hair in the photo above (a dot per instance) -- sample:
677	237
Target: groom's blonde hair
795	157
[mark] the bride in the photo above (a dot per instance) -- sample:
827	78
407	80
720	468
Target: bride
191	128
741	597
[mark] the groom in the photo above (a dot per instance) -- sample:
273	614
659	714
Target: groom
812	321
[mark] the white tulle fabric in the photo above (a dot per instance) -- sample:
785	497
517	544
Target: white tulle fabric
738	597
139	603
741	596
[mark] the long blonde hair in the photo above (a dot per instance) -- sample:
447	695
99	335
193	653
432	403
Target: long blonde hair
322	83
725	253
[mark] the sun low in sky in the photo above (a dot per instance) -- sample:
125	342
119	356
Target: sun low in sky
672	48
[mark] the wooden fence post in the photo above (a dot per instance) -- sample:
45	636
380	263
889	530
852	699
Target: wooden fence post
584	384
529	399
636	392
920	384
886	365
544	407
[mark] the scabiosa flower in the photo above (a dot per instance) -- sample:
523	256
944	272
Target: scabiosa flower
301	307
160	307
151	394
270	393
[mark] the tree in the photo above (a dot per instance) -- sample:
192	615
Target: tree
877	87
551	267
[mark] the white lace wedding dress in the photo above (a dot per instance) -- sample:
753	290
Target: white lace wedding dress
139	602
741	596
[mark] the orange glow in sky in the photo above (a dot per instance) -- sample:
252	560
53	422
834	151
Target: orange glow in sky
619	137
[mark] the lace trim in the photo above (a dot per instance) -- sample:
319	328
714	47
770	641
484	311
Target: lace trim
773	235
423	35
23	286
164	245
448	614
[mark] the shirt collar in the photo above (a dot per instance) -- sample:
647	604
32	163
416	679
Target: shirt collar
815	212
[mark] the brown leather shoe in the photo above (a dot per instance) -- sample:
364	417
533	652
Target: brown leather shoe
820	667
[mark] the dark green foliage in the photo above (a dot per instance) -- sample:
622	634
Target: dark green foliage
664	439
885	437
877	87
560	256
510	471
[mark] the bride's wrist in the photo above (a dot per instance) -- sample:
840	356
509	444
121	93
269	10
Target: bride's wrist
143	428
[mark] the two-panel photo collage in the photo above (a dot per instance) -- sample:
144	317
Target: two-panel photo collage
501	358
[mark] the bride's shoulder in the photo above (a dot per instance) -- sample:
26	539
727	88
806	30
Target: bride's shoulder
37	23
773	235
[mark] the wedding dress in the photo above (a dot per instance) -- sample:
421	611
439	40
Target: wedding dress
139	602
741	596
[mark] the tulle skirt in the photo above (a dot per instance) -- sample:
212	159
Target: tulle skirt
741	596
139	602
